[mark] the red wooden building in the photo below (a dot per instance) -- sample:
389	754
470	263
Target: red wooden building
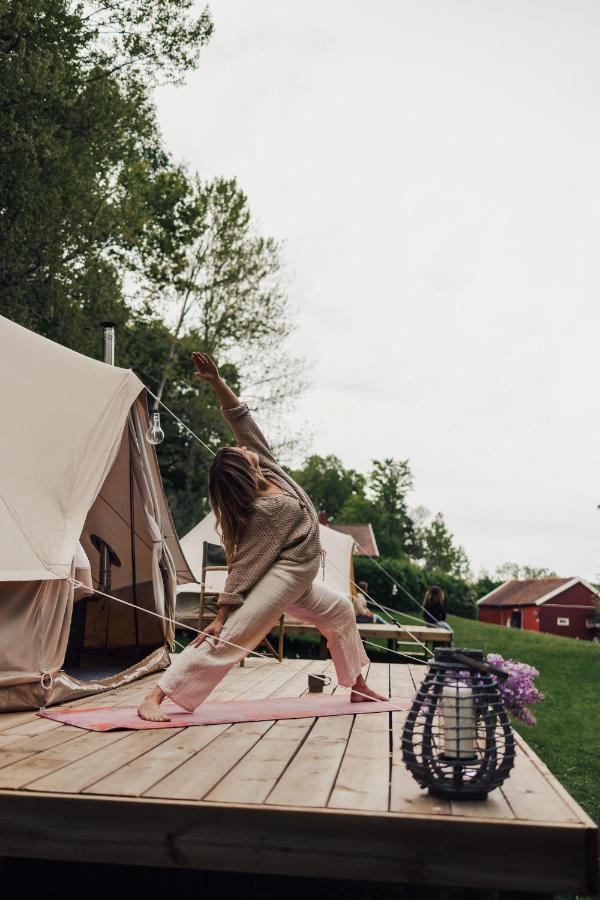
565	606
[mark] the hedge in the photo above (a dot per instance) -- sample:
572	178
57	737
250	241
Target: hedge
460	595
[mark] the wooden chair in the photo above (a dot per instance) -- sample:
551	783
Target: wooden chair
215	551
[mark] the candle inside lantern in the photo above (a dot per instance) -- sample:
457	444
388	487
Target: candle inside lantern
458	721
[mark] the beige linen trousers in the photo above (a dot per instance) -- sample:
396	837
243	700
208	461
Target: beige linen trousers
287	586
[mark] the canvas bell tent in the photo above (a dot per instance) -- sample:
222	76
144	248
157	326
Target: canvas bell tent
77	474
339	564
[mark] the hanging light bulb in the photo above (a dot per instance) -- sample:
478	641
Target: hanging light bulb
155	434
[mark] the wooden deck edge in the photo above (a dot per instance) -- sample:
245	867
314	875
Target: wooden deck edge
553	780
291	841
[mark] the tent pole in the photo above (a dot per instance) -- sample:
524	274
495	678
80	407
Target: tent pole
133	560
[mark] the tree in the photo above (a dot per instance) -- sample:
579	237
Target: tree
330	485
230	293
87	192
98	223
509	571
380	499
389	482
440	552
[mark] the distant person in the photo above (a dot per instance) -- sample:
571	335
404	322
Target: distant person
434	606
363	614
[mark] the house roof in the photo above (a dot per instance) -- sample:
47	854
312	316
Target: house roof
529	591
366	545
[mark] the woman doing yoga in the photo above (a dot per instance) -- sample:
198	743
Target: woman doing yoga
270	531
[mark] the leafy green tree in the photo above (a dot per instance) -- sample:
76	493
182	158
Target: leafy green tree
97	222
86	191
485	584
230	292
330	485
389	482
440	551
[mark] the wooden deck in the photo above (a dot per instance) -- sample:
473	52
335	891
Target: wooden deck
326	797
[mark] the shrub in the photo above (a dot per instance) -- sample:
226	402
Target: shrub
460	595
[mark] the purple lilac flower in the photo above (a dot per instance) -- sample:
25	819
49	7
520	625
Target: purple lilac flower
518	690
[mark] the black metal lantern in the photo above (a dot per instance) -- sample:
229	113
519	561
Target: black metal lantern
457	739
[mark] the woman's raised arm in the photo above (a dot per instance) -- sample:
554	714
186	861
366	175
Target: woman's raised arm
245	429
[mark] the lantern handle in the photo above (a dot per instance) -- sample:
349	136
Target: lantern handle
482	666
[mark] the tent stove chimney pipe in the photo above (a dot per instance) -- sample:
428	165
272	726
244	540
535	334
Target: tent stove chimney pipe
108	342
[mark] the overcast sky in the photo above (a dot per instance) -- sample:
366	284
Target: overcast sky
434	168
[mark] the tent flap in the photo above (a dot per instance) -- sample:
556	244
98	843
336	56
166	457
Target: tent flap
65	415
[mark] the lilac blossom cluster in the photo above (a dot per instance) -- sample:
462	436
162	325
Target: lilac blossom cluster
518	690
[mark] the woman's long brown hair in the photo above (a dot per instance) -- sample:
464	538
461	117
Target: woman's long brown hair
435	593
233	486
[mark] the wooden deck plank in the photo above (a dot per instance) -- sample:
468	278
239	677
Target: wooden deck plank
198	775
495	806
194	778
556	785
27	745
531	795
257	773
363	780
83	774
83	771
22	772
142	773
310	776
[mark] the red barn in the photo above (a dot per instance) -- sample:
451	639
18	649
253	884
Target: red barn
566	606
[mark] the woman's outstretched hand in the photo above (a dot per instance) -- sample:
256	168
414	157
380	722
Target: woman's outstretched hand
207	371
214	629
205	367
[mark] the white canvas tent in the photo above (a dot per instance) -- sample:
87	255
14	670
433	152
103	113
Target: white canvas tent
75	466
339	564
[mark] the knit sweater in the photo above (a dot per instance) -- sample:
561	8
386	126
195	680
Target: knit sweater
281	526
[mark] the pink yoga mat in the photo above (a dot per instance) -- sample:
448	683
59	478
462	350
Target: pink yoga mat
109	718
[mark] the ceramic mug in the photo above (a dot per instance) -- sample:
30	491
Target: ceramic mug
316	683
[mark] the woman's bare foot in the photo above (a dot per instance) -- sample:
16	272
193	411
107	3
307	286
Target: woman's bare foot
366	693
149	708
